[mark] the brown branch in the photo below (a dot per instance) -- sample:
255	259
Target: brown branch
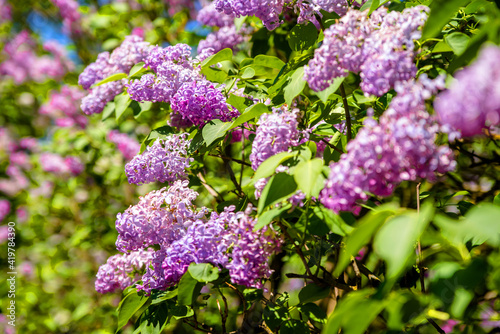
231	159
332	146
347	113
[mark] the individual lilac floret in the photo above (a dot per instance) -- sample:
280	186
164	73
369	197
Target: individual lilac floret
472	103
165	161
128	146
200	102
266	10
310	10
225	37
122	270
131	51
277	132
209	16
401	147
160	217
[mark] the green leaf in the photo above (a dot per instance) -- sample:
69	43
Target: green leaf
280	187
237	101
325	94
137	69
441	13
267	217
354	313
162	132
302	37
113	77
128	307
335	223
214	75
396	239
163	296
203	272
458	42
313	312
269	61
222	55
293	326
496	200
296	85
247	73
189	289
250	113
122	102
363	233
214	130
153	320
143	107
108	110
306	174
268	166
313	292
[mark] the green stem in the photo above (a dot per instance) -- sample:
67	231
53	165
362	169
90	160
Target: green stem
347	113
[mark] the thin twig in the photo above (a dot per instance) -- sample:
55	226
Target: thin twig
347	112
357	272
232	159
210	190
335	148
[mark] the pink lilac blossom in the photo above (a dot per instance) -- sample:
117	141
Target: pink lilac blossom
128	146
55	164
64	107
131	51
160	217
23	64
4	209
69	12
310	10
209	16
165	161
4	233
380	47
266	10
401	147
5	11
277	132
472	103
167	219
122	270
225	37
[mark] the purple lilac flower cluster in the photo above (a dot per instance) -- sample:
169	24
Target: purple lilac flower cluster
266	10
121	270
380	47
5	11
55	164
131	51
4	209
126	145
64	107
160	217
210	17
168	219
22	64
401	147
18	153
69	12
277	132
193	99
310	9
473	101
225	37
165	161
